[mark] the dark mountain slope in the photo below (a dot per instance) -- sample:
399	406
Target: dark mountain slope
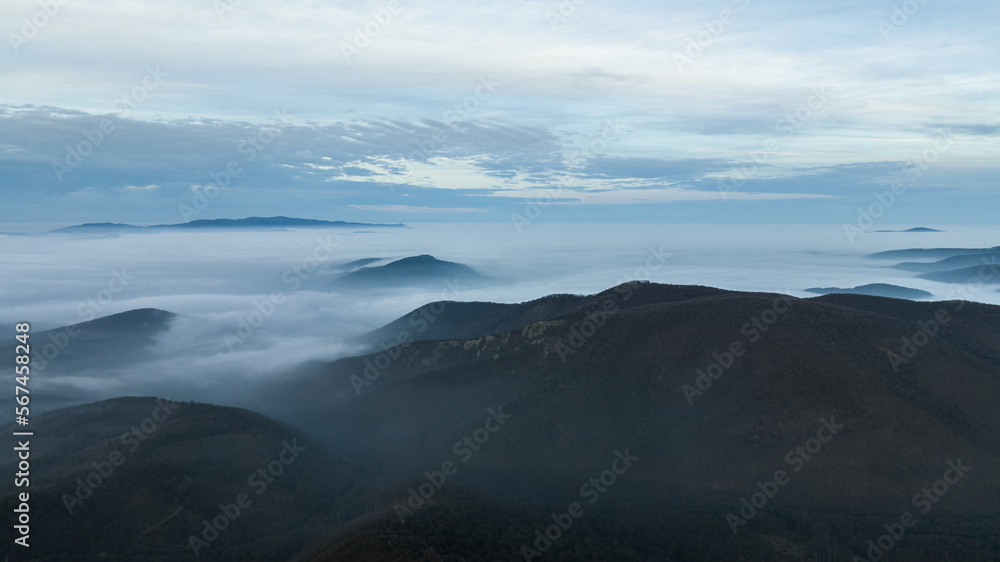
966	327
96	488
469	320
623	387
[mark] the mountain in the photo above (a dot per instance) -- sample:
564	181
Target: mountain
952	263
624	384
917	229
138	477
875	290
987	273
357	264
638	423
932	253
274	222
85	350
90	344
578	379
246	223
98	228
449	320
416	271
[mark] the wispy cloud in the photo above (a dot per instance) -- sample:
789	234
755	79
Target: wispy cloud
362	128
406	209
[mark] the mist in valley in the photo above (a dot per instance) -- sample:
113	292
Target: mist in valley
253	306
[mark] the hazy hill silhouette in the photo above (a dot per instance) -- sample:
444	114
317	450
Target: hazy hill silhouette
916	229
876	290
954	262
245	223
117	338
423	270
933	253
85	349
988	274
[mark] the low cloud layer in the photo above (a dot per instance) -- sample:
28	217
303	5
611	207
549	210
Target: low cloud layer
254	305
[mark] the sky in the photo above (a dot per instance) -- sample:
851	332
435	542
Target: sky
734	111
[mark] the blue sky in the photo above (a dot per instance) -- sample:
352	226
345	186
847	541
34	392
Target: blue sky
730	111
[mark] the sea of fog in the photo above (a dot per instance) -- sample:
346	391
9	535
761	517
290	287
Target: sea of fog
216	279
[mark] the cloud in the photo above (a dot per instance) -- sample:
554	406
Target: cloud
648	196
217	280
419	210
977	130
416	97
655	168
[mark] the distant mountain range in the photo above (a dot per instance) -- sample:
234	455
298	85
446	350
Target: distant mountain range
987	274
875	290
932	253
951	265
247	223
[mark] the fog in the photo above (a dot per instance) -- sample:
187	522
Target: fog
283	281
